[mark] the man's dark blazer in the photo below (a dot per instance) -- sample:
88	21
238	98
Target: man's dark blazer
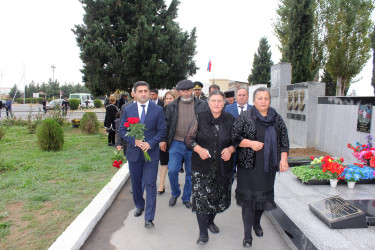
233	110
154	132
160	103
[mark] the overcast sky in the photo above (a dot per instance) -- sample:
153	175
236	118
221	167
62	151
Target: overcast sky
37	34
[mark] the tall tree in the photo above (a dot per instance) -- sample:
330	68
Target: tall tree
14	92
123	41
373	58
261	71
299	47
348	27
298	28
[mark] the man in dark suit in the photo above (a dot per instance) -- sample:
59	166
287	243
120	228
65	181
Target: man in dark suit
237	108
152	116
241	105
154	96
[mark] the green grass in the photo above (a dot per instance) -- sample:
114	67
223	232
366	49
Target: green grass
43	192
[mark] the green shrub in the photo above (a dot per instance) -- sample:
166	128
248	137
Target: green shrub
98	103
89	123
73	104
50	135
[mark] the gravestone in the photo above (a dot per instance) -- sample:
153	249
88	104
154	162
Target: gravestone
338	213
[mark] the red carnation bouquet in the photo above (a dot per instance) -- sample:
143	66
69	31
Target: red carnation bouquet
333	166
137	130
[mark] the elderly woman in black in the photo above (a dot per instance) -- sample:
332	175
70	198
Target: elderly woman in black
211	163
262	144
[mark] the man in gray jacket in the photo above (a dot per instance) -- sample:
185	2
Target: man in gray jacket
178	116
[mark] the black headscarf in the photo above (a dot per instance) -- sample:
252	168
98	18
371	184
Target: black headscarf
270	139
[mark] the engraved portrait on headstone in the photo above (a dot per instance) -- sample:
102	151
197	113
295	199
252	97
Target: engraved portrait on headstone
290	100
296	102
302	100
364	118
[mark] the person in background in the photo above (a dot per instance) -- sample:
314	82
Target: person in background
211	163
109	120
122	100
87	103
8	106
236	109
229	97
1	107
178	116
261	141
44	105
169	97
198	91
154	94
213	87
65	105
106	101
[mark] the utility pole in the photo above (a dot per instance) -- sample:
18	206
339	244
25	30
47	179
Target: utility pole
53	72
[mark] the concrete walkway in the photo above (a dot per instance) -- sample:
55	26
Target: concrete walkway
175	227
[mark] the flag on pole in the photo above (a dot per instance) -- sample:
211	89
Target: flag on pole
209	66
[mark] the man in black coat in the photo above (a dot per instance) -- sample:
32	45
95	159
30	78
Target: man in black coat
178	117
154	96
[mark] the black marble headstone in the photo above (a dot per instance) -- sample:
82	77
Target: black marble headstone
338	213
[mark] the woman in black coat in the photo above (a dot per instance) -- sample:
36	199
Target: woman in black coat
211	163
109	120
262	144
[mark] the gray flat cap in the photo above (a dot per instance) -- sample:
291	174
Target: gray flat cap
185	84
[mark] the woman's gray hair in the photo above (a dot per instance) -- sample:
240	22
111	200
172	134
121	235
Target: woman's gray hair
261	89
216	92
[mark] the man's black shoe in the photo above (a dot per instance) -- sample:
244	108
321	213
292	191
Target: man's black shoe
258	231
138	212
213	228
172	201
202	240
188	204
247	243
149	224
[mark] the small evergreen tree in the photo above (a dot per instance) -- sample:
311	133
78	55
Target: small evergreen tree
261	71
50	135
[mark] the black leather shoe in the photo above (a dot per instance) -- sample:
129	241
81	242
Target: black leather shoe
149	224
138	212
258	231
213	228
182	170
247	243
188	204
172	201
161	192
202	240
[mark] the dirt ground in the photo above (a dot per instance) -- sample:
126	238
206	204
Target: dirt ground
306	152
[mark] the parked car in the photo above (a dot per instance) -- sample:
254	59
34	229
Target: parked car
54	104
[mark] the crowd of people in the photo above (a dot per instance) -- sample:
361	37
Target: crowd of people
214	137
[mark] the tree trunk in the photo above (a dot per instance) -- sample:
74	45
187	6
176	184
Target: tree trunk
340	87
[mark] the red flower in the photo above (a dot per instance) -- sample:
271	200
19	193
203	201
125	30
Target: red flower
120	162
349	145
127	124
368	155
342	159
133	120
116	164
312	158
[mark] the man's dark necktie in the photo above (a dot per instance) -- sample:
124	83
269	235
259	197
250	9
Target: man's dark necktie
241	107
143	115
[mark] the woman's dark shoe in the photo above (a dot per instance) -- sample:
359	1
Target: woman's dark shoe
161	192
213	228
202	240
258	231
247	243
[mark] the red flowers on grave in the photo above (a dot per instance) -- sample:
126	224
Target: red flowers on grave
333	166
136	130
